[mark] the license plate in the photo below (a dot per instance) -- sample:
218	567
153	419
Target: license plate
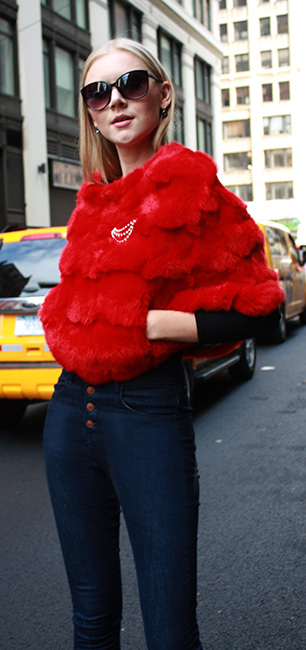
28	325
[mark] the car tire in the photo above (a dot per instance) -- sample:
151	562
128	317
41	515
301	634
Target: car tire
280	334
244	369
11	412
189	378
303	317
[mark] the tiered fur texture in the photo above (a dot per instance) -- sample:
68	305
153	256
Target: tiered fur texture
193	246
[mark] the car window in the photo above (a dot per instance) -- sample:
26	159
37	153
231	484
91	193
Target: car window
277	241
29	267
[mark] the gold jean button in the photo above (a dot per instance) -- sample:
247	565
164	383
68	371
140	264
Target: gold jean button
90	390
90	406
89	424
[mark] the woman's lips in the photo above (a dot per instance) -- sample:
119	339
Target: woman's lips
122	120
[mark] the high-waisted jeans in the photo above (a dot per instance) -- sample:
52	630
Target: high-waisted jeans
130	446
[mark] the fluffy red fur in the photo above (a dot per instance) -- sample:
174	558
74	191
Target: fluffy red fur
193	246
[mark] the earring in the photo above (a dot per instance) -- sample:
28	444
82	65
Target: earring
97	130
164	113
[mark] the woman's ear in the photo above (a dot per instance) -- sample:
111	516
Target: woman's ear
166	91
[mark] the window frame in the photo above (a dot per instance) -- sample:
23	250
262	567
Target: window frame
266	67
73	12
130	13
270	97
271	188
241	22
245	128
244	60
204	114
269	124
243	95
285	24
15	76
261	23
271	155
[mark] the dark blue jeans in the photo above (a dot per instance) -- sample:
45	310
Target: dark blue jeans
126	446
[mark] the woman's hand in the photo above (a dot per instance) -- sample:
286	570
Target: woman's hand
171	326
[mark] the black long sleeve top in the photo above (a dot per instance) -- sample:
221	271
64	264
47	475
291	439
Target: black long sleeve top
231	326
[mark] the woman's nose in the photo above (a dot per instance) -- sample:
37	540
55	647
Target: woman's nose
116	97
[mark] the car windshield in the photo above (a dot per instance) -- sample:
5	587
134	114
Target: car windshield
29	267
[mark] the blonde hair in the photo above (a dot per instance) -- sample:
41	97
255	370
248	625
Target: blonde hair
98	153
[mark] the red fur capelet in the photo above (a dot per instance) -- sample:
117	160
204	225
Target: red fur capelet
166	236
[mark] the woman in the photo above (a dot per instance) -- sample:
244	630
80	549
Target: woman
160	257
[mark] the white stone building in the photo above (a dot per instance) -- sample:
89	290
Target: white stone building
263	87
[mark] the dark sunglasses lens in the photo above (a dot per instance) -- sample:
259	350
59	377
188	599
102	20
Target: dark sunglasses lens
96	95
134	85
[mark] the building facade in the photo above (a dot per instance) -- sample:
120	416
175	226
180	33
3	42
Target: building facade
43	44
262	90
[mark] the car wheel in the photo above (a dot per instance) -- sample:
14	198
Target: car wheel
11	412
244	369
189	378
303	317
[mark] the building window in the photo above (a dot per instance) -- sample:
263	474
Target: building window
202	81
47	80
201	11
236	129
245	192
267	93
283	57
125	20
225	97
7	58
243	95
275	191
225	65
265	28
240	3
275	158
223	33
64	82
242	62
235	161
282	24
277	124
73	10
169	51
222	4
170	56
284	90
203	105
178	125
61	78
241	30
204	136
266	59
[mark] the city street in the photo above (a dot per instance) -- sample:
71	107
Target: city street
251	446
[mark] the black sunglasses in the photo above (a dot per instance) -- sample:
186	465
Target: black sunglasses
131	85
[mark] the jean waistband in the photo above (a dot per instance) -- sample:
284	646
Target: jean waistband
170	371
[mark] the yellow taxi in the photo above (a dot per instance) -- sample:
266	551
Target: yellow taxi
28	269
289	263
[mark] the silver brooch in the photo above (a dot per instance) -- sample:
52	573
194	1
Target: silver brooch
122	234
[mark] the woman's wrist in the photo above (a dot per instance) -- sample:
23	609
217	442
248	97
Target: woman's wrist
171	326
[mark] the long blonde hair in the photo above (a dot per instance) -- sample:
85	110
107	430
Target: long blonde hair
98	153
